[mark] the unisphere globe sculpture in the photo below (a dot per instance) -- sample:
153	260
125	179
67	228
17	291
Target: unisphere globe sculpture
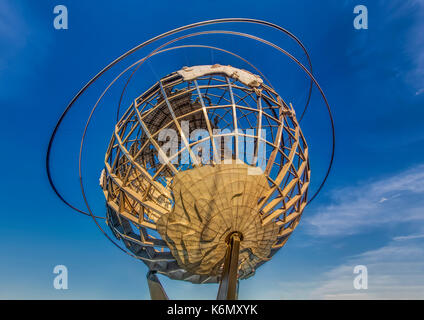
207	172
206	152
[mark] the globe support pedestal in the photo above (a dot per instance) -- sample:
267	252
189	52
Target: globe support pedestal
157	292
228	287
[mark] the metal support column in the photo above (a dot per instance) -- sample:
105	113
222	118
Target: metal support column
157	292
228	285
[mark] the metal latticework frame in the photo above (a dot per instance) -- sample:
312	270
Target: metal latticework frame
136	183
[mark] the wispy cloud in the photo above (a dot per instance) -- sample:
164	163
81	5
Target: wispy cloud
395	271
397	50
410	237
25	41
395	199
13	31
413	45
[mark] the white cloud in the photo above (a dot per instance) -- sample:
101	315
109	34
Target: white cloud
353	210
395	271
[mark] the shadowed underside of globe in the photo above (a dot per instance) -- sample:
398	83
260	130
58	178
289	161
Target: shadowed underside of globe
211	203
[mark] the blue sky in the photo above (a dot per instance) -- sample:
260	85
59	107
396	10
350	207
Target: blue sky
371	211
